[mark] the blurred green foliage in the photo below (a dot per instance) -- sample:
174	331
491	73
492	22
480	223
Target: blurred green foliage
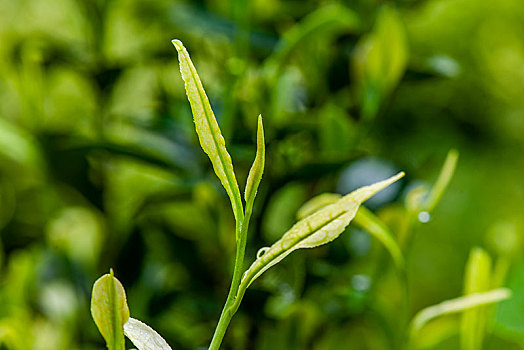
100	166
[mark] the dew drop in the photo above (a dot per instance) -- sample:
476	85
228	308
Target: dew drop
424	217
261	252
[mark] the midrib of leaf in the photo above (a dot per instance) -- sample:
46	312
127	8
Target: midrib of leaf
114	316
313	230
234	191
118	330
364	218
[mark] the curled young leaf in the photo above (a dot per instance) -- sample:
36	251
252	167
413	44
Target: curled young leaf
257	169
143	336
109	310
319	228
209	134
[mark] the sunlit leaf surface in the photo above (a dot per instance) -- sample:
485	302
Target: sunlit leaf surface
317	229
143	336
109	310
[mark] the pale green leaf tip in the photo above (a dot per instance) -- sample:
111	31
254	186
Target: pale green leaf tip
260	133
453	152
379	186
397	177
364	193
505	293
255	173
178	44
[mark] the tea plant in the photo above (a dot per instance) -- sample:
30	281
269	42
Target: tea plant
321	220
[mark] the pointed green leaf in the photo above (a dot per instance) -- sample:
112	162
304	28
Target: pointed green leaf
257	169
380	60
320	228
457	305
331	18
477	279
18	145
143	336
364	218
444	178
209	135
109	310
375	227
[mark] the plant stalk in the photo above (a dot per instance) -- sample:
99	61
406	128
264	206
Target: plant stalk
231	305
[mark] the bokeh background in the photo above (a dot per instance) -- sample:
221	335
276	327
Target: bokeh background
100	165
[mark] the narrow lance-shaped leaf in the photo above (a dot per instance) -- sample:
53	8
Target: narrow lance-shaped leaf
317	229
457	305
109	310
257	169
380	60
209	134
444	178
477	279
364	218
332	18
372	224
143	336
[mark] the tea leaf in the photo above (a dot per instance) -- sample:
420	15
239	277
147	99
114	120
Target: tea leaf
364	218
109	310
329	18
375	227
380	60
316	203
508	317
457	305
209	135
257	169
337	131
446	173
434	333
319	228
18	145
143	336
477	279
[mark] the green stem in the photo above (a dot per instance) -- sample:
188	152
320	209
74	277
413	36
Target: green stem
232	303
